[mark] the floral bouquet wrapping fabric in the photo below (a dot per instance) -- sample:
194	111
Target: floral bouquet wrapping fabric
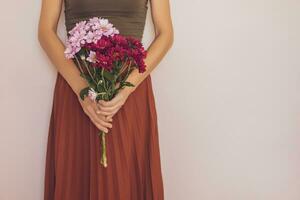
105	59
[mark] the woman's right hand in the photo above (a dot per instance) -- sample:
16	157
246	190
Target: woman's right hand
92	111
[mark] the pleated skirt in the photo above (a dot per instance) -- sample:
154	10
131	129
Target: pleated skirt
73	170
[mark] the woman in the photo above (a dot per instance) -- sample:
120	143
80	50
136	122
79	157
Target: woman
73	170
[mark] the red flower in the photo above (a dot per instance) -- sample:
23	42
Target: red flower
103	43
104	61
120	40
118	48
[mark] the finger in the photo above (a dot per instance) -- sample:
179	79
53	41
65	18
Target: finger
99	126
96	107
105	121
105	118
102	115
106	124
109	118
109	113
110	109
110	103
97	118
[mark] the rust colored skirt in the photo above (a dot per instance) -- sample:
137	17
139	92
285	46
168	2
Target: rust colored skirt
73	170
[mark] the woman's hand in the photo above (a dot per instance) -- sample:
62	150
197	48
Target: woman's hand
90	108
110	108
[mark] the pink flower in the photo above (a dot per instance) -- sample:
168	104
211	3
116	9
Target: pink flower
89	37
92	94
80	26
70	51
92	57
86	33
102	26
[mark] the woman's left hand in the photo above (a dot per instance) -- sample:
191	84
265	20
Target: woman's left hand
110	108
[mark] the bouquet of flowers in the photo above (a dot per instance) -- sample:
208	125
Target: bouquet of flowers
105	59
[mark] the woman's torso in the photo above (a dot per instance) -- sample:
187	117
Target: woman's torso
128	16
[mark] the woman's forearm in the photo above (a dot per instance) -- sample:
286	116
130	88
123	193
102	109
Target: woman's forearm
54	48
155	53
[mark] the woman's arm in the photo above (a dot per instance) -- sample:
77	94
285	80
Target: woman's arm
160	45
54	48
156	51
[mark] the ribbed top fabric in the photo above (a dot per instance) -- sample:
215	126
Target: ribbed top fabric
128	16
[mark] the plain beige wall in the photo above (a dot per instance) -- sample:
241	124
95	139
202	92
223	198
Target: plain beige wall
227	95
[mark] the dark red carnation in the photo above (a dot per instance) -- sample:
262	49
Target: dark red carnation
120	40
118	48
103	43
104	61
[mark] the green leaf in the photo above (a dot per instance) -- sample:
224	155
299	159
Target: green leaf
81	52
117	67
84	92
100	87
128	84
113	87
109	76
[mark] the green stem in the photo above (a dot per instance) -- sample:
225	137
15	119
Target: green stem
103	160
126	77
88	69
78	64
102	76
122	67
128	71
